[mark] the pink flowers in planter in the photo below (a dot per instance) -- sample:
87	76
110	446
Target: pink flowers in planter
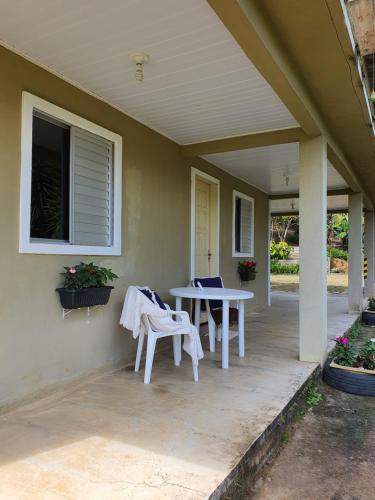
72	270
344	341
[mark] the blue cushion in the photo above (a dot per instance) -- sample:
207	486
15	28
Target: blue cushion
211	283
157	298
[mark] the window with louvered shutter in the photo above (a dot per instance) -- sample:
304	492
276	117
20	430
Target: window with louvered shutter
71	182
243	225
91	186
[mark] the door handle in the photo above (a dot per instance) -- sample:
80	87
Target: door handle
209	255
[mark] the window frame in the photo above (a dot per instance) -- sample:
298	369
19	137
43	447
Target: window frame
238	194
30	104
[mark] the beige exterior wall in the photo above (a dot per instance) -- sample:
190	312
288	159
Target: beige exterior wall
38	350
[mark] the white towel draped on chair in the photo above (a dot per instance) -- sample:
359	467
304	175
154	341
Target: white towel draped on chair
136	304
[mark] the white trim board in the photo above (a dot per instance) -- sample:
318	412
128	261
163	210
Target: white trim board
194	174
29	104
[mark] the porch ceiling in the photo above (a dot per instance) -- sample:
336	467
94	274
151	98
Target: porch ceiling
337	203
198	84
267	168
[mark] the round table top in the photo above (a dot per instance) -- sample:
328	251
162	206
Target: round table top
190	292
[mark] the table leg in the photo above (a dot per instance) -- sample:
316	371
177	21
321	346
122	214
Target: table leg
197	314
177	338
178	303
225	335
241	329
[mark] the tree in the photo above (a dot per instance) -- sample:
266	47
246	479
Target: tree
281	225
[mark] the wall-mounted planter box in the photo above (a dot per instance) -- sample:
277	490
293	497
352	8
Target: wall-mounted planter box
247	275
347	379
368	317
84	297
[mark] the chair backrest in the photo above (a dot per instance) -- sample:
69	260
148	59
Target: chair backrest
153	297
214	282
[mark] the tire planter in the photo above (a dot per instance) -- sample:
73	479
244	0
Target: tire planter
361	384
84	297
368	317
247	275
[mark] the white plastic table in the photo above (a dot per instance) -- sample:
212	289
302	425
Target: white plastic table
226	295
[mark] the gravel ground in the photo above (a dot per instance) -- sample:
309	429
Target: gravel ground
328	455
336	283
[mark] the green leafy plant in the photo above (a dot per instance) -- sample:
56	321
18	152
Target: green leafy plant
366	356
341	228
343	353
313	396
87	276
371	304
337	253
354	331
284	268
280	251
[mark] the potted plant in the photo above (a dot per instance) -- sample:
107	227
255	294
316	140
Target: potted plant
368	315
85	286
350	366
246	270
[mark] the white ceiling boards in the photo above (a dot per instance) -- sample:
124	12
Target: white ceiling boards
198	84
273	169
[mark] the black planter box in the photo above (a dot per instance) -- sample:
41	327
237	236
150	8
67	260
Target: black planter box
362	384
368	317
84	297
247	275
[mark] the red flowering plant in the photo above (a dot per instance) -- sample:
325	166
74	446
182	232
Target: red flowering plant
247	266
87	276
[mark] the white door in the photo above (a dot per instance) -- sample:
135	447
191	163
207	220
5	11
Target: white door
202	228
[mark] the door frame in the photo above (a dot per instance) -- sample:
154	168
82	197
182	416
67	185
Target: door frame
213	181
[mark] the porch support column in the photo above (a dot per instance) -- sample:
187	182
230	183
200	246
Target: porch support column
355	288
313	249
369	252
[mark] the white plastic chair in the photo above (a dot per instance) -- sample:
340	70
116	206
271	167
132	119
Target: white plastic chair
152	337
214	332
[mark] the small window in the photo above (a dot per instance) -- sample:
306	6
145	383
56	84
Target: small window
70	183
243	225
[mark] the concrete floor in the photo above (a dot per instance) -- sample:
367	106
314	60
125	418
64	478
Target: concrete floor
115	438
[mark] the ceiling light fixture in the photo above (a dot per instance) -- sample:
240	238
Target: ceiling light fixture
139	58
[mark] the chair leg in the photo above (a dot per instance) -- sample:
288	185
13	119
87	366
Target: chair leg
211	332
177	349
139	351
219	331
151	342
195	372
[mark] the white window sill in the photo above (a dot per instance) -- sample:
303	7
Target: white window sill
67	249
247	255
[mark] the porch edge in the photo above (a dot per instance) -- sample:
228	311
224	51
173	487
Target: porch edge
260	450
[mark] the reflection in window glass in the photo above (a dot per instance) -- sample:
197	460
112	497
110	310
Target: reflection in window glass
50	181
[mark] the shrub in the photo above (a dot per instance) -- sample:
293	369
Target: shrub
337	253
371	304
280	251
283	268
